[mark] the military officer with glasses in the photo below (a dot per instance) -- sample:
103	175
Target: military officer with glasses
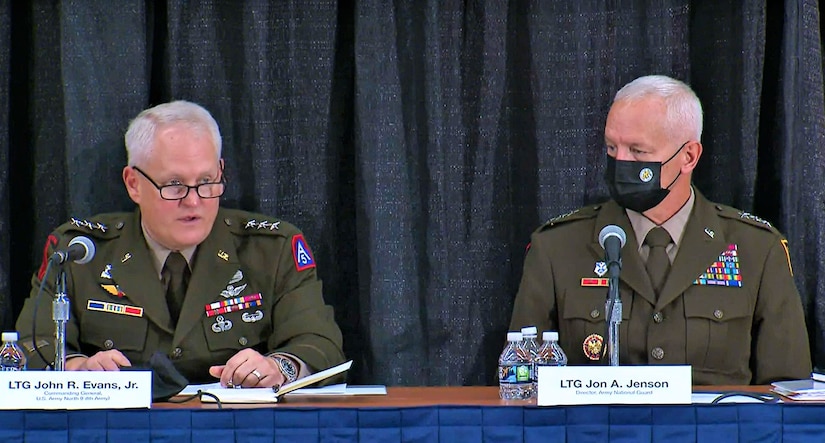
225	294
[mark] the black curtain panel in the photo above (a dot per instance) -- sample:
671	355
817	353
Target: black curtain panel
417	143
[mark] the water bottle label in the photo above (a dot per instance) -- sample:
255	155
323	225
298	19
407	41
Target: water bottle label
523	374
514	374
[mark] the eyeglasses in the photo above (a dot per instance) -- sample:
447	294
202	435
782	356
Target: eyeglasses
181	191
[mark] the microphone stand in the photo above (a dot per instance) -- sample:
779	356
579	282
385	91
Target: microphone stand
60	315
613	310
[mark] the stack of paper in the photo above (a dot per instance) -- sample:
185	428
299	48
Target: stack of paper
805	390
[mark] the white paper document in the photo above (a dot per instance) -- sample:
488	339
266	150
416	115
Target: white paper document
298	387
805	390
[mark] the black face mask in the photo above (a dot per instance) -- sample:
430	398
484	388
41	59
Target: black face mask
637	185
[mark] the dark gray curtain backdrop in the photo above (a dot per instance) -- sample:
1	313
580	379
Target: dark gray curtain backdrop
417	143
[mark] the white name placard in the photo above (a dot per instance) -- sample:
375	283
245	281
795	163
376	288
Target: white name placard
600	385
75	390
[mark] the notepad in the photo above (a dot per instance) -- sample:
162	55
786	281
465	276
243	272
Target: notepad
802	390
260	395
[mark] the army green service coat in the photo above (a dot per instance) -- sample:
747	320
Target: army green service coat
753	334
245	254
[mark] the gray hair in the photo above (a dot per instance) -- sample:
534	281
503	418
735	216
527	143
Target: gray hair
140	136
683	117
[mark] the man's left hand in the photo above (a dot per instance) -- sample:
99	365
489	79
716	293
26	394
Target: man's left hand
249	369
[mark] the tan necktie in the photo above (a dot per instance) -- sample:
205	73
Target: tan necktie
658	263
175	275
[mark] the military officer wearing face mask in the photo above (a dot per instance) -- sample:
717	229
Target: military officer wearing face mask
701	283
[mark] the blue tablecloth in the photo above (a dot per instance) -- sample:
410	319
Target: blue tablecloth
580	424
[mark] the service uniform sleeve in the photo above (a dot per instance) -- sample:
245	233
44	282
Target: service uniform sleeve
303	324
780	339
535	303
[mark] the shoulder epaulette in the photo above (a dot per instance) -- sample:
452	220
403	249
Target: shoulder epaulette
101	226
249	223
745	217
577	214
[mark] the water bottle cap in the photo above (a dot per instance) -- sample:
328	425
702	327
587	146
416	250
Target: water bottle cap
550	336
529	330
514	336
9	336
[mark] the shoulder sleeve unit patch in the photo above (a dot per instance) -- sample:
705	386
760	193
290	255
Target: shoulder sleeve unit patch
51	242
301	253
784	243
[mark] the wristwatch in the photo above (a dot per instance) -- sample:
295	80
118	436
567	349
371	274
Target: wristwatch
287	368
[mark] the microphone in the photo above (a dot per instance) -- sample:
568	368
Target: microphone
81	250
612	238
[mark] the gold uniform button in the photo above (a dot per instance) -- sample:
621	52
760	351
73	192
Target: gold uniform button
658	317
657	353
228	221
718	314
243	341
108	344
595	313
177	352
119	225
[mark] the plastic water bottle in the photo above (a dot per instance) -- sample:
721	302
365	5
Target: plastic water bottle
513	370
550	353
529	347
12	357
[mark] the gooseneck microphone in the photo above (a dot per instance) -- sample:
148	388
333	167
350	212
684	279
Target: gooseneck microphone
612	238
81	250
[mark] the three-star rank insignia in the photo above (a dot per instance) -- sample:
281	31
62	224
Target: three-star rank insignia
263	224
88	225
749	216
